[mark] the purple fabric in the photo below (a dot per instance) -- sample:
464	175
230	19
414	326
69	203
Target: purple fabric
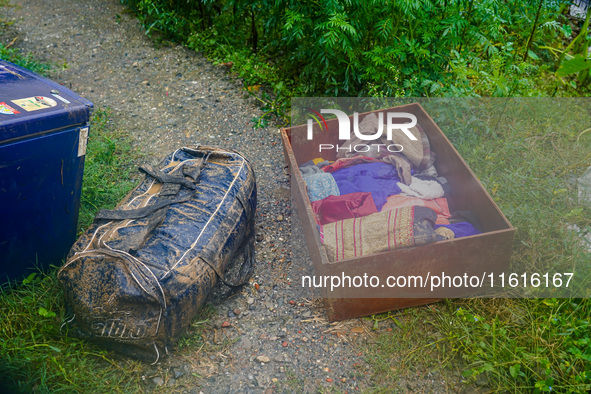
335	208
461	229
379	179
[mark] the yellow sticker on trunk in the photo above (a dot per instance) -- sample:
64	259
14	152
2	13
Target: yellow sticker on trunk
34	103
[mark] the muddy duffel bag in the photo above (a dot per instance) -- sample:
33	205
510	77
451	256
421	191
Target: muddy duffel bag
138	276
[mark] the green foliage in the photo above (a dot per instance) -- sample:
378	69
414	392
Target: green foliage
194	338
509	345
372	48
579	62
404	345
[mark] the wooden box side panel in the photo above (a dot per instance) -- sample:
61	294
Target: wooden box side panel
347	308
467	193
304	208
473	256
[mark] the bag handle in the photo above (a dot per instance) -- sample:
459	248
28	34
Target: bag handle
121	214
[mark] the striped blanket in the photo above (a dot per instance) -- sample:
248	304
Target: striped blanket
378	232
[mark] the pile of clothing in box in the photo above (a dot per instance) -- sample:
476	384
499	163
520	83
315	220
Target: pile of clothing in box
370	202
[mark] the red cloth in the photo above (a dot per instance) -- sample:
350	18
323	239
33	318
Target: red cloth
348	162
347	206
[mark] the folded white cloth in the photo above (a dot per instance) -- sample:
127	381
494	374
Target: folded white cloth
426	190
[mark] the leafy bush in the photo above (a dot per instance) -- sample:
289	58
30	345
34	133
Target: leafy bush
377	48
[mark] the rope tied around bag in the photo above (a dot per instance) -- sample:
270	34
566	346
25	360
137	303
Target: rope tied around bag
171	187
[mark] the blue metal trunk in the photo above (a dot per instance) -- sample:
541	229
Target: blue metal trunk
43	135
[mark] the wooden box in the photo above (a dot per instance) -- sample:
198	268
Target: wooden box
479	255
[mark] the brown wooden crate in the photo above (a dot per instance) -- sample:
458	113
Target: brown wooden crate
474	255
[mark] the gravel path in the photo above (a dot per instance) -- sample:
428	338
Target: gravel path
169	97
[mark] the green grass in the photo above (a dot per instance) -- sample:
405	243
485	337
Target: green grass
14	55
527	153
403	346
508	345
109	169
193	338
292	382
522	344
25	60
37	356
